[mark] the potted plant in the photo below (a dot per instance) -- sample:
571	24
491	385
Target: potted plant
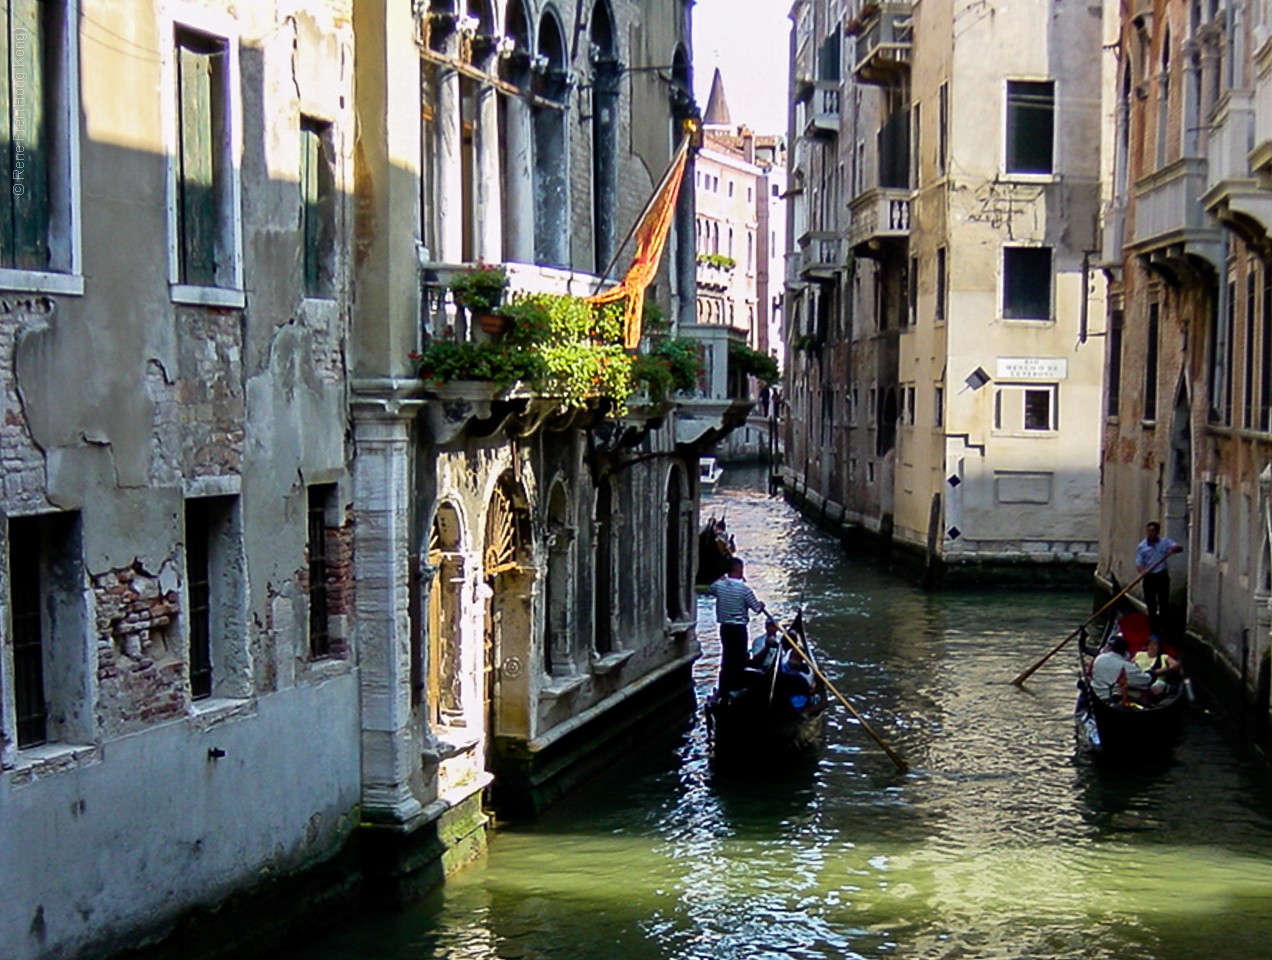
479	289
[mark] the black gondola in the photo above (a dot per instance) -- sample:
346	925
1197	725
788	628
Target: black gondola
1121	727
769	718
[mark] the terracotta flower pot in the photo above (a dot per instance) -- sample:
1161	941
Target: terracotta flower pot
492	323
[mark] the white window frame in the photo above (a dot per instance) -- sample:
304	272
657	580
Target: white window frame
221	26
65	216
1000	428
1024	176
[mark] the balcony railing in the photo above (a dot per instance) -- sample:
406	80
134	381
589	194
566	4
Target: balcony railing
1170	222
439	313
714	276
821	254
885	38
1234	195
823	115
882	213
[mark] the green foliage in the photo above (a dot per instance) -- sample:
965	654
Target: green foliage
672	365
759	365
717	260
480	287
446	359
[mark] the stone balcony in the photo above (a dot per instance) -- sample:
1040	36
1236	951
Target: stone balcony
885	39
1234	194
823	111
722	401
1171	231
715	276
820	254
878	216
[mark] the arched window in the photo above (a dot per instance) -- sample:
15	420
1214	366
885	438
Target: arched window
557	659
677	544
606	72
551	167
516	144
443	687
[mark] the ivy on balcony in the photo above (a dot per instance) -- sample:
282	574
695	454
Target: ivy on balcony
566	348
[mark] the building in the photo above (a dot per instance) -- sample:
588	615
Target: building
1187	435
740	216
940	288
265	592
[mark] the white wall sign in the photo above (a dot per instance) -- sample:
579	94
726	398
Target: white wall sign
1032	368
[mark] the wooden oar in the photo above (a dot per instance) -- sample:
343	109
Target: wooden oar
892	754
1056	649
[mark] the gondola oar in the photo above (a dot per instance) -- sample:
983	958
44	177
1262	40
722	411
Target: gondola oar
1056	649
795	644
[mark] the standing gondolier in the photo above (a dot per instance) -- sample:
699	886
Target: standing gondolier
1150	560
734	603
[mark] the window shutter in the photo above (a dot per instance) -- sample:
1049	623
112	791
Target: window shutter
311	216
26	228
198	204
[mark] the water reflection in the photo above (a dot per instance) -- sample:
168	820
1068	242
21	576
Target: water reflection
999	843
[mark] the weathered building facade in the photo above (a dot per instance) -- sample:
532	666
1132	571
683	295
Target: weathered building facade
944	208
262	587
1187	429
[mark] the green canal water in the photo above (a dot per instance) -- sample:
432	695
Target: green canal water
999	843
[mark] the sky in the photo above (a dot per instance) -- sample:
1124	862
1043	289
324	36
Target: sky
749	40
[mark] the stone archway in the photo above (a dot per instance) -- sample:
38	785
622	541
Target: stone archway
508	644
444	673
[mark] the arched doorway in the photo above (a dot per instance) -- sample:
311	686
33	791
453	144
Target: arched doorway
678	543
509	578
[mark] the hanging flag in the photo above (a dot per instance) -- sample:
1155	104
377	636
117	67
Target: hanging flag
651	237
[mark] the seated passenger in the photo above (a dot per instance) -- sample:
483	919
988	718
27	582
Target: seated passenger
1112	668
1156	662
764	650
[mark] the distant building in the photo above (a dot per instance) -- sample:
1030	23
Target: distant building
939	284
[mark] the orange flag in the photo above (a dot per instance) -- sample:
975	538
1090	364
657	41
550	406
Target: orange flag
651	237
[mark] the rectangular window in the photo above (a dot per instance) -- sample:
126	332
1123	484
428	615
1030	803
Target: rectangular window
1031	106
321	498
1210	532
38	119
317	207
47	619
1114	399
942	285
942	127
913	311
214	588
206	244
1151	361
1027	283
1218	357
909	405
938	412
1023	410
853	398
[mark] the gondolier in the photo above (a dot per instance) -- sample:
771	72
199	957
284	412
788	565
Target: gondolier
1150	560
734	603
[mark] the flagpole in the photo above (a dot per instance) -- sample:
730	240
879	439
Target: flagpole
653	198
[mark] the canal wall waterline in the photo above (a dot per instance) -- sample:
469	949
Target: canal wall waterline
1013	570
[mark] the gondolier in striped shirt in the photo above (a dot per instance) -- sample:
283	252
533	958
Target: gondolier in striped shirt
734	603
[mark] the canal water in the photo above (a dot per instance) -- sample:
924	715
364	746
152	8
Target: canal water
999	842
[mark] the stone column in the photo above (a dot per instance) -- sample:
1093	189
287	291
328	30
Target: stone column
489	193
450	164
382	544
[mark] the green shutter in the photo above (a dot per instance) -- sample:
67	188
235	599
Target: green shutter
25	233
197	207
310	214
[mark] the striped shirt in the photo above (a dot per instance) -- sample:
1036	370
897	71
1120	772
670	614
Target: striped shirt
733	599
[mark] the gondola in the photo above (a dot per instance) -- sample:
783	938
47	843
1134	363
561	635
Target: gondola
767	720
1122	728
